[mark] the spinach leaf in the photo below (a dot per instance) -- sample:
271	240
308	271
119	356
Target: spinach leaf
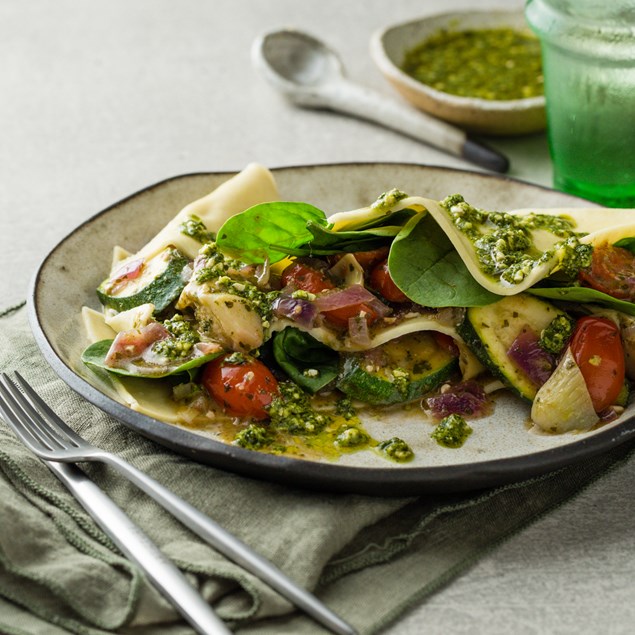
268	230
626	243
297	352
95	356
583	294
325	241
425	265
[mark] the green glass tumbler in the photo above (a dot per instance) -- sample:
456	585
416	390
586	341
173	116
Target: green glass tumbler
588	52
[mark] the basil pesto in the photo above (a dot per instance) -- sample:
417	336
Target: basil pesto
195	228
397	450
493	64
452	431
184	336
504	243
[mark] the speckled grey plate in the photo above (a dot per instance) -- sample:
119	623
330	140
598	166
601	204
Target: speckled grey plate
500	449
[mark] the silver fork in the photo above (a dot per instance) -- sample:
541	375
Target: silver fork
44	433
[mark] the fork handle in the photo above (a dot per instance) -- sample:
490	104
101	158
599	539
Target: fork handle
138	548
229	545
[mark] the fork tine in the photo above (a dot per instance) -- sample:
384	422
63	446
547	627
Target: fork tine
18	419
37	422
64	433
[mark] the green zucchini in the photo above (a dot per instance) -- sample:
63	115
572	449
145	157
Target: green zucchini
489	331
399	371
160	282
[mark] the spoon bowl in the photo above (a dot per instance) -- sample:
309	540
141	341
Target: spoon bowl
297	62
310	74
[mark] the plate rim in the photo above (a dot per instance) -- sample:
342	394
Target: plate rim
397	480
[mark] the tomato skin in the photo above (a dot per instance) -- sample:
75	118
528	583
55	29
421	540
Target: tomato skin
596	346
340	317
381	281
243	388
612	271
306	278
446	342
366	259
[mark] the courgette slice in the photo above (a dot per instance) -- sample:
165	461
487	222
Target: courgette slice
399	371
491	330
158	280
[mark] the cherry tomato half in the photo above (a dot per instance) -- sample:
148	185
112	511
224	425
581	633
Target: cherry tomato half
381	281
243	386
303	277
612	271
596	346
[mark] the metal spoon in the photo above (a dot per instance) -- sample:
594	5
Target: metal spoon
311	75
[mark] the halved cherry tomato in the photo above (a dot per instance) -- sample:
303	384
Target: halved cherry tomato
612	271
596	346
381	281
244	387
302	276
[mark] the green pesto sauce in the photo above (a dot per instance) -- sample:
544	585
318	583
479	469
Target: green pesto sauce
554	337
388	199
452	431
184	336
494	64
504	244
195	228
293	412
397	450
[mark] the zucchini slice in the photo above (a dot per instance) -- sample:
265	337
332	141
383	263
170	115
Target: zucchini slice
399	371
491	330
158	281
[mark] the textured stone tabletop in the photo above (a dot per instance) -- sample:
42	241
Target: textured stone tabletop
100	99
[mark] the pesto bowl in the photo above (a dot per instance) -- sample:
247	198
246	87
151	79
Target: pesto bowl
512	117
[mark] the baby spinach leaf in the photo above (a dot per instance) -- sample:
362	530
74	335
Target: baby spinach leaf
425	265
299	354
626	243
95	356
268	230
325	241
583	294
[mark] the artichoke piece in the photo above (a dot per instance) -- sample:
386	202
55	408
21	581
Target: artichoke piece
563	403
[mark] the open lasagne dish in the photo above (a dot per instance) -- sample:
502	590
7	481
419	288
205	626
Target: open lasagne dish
376	328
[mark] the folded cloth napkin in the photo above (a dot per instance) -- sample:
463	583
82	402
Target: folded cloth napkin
369	559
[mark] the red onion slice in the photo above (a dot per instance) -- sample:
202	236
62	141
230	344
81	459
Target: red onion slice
467	399
299	310
531	358
358	331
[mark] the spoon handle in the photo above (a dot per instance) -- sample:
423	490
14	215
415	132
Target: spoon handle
358	101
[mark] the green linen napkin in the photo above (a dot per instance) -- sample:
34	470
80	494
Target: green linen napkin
59	573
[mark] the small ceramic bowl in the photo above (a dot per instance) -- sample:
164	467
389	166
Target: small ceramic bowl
512	117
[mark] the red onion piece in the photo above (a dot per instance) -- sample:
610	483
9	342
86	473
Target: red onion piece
131	344
350	296
358	331
533	360
467	399
299	310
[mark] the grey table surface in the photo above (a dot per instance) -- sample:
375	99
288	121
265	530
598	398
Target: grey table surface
99	99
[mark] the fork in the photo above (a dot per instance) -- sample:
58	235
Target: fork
45	434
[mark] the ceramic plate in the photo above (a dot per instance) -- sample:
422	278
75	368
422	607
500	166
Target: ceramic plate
500	449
